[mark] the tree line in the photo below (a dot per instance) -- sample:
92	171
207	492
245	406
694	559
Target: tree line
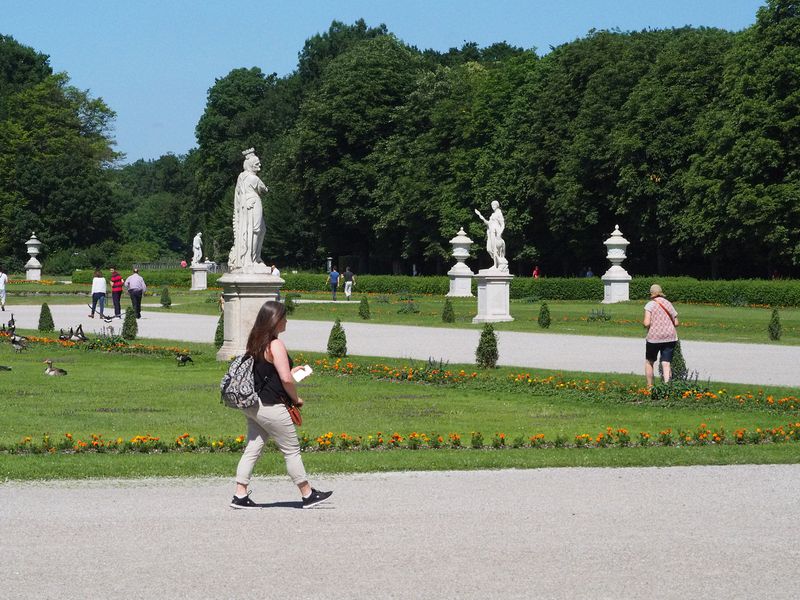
376	152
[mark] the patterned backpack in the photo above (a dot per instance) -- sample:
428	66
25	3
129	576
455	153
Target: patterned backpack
237	388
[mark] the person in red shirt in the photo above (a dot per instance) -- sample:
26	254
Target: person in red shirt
116	291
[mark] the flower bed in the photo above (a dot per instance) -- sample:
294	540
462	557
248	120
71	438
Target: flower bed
115	344
610	437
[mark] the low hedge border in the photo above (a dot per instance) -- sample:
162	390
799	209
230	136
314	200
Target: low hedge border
740	292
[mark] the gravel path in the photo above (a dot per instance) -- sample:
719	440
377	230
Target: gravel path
682	532
759	364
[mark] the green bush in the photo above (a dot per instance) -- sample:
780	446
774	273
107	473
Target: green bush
774	327
363	309
46	319
679	370
448	315
486	353
544	316
337	341
166	301
219	334
289	303
130	329
408	308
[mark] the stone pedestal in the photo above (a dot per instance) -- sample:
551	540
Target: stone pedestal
33	270
244	294
199	276
616	285
494	293
460	281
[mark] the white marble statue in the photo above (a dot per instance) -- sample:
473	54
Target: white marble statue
495	246
197	248
248	218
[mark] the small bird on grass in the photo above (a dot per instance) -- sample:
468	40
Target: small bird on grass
4	368
183	359
78	336
18	342
53	371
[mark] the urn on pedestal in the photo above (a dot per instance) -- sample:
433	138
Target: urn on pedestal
460	275
616	281
33	268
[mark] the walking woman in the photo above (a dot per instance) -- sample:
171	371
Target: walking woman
98	294
269	418
660	320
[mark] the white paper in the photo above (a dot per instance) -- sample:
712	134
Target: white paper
301	374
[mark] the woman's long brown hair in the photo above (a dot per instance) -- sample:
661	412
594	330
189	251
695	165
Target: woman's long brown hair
264	329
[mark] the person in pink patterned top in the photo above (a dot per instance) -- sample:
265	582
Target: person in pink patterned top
660	320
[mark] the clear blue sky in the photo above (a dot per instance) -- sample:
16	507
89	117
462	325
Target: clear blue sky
153	61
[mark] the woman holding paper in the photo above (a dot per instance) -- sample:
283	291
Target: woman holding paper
273	374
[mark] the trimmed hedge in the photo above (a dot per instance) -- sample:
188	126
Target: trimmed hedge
740	292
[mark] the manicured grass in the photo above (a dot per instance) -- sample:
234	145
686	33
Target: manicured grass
123	396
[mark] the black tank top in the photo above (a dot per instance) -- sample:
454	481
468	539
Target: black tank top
268	382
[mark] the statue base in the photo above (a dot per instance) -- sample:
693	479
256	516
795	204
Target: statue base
494	293
33	274
199	277
616	285
460	281
244	294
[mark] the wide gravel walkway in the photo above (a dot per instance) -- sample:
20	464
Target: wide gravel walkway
758	364
697	532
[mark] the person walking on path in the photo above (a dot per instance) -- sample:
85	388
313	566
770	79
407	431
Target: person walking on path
136	288
116	291
333	280
98	294
273	376
660	320
3	282
349	281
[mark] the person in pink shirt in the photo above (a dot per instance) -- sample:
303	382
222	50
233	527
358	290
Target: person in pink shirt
660	320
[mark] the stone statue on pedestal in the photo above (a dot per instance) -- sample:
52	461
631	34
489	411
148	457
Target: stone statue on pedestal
495	246
197	248
248	218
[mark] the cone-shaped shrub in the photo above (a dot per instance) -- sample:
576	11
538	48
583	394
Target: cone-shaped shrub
544	316
363	309
219	334
486	354
46	319
337	341
678	364
289	303
129	327
166	301
774	327
448	316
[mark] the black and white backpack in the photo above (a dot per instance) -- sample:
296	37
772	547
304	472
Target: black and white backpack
237	388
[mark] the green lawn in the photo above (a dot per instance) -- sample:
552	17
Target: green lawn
123	396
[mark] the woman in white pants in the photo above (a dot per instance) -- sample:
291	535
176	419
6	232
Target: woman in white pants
269	418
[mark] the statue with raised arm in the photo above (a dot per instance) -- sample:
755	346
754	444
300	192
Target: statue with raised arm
197	248
248	218
495	246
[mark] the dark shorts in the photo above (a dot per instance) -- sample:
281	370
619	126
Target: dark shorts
665	348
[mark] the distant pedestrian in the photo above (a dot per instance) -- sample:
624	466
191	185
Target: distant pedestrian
116	291
333	280
98	294
275	271
535	273
349	281
661	320
3	282
269	419
589	272
136	288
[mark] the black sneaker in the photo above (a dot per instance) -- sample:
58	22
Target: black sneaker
315	498
245	502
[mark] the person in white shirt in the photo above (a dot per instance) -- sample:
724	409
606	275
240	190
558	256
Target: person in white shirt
275	271
98	294
3	282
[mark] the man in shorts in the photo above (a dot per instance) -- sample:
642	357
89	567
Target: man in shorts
660	320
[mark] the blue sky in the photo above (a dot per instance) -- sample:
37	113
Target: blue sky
153	61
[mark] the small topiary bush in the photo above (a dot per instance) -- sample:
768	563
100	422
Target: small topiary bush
130	328
219	334
544	316
337	341
166	301
46	319
363	309
679	370
774	327
448	315
408	308
486	354
290	304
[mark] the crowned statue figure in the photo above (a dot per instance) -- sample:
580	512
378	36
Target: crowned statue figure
248	218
